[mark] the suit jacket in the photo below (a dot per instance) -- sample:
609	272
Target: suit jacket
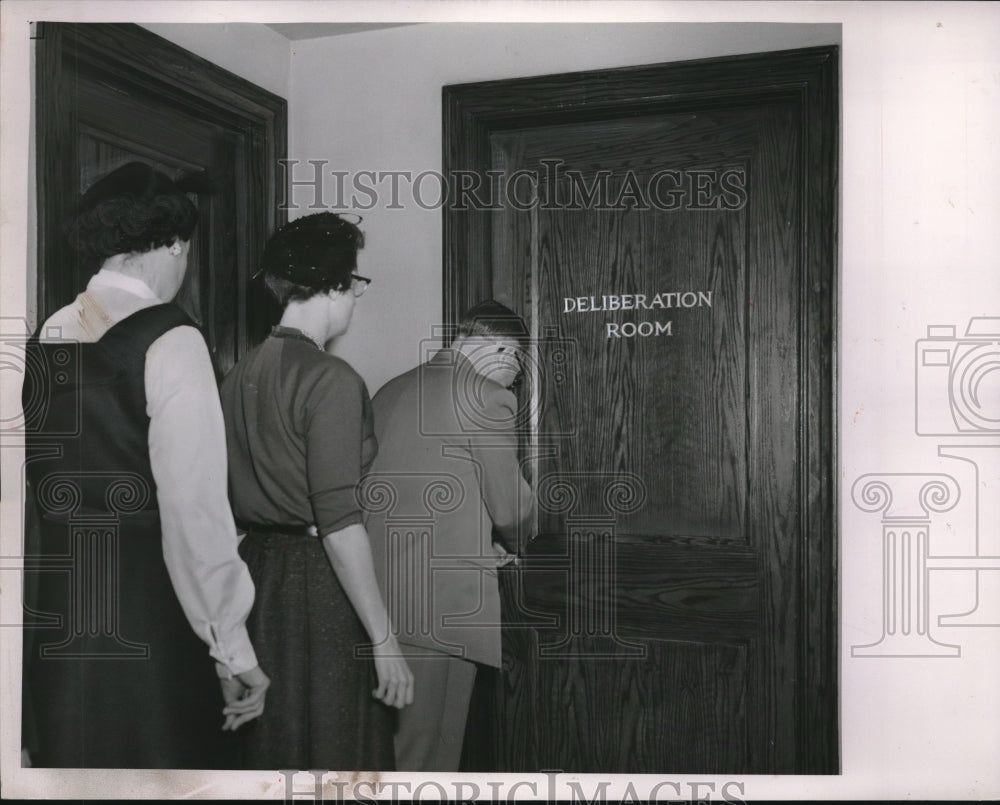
445	476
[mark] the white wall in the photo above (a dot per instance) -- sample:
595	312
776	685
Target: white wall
250	50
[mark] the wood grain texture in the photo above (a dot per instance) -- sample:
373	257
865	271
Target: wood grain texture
819	479
699	414
660	589
692	726
772	347
710	598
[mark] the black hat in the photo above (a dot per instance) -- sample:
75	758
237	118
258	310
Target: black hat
316	251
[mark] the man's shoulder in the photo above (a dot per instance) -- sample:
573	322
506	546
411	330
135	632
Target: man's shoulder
391	389
439	377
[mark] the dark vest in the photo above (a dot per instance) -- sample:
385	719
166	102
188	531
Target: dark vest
85	412
115	675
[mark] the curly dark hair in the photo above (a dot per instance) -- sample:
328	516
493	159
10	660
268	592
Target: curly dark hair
133	209
311	255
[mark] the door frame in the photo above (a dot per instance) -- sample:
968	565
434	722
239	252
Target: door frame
133	57
809	77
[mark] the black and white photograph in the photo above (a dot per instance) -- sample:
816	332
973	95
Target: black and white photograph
559	400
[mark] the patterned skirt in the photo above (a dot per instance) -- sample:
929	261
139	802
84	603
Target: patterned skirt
320	713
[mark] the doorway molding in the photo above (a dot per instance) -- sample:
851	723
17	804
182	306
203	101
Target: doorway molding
129	58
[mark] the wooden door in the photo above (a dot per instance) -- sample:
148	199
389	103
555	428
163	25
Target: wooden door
670	238
109	94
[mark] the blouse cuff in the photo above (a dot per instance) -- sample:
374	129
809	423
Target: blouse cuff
234	653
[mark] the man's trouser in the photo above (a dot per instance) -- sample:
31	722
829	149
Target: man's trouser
431	730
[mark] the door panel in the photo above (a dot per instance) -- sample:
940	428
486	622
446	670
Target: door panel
700	416
660	622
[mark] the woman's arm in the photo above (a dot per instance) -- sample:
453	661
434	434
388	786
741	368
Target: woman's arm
187	454
351	557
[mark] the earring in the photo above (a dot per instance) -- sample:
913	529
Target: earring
175	249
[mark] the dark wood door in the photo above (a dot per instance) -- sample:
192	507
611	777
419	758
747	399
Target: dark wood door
674	256
110	94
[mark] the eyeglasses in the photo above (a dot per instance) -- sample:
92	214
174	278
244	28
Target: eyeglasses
359	284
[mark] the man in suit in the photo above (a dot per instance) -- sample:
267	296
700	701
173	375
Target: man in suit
445	483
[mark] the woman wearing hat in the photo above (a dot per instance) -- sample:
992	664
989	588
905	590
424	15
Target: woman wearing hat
126	454
300	436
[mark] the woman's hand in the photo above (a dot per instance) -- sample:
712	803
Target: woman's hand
395	680
244	695
503	556
350	556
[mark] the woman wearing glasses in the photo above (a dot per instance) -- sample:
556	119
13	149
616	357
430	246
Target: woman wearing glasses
300	435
